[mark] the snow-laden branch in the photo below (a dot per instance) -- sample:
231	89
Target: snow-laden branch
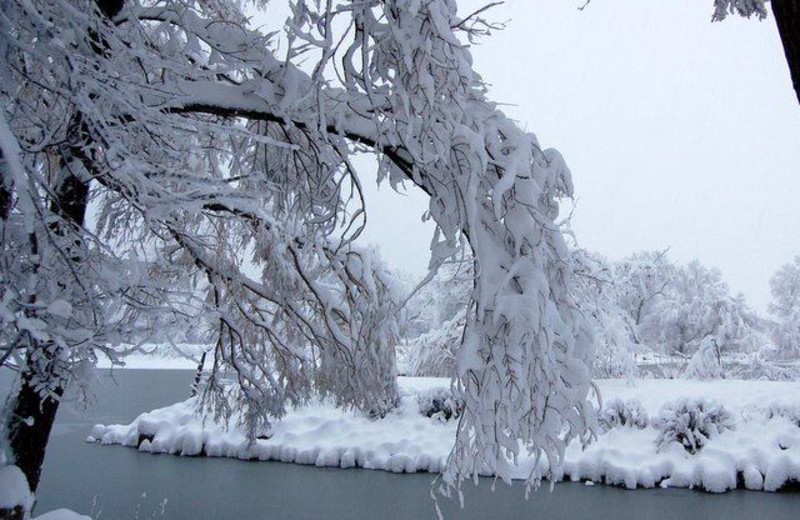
208	152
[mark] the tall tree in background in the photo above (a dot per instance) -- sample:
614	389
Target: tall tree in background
200	147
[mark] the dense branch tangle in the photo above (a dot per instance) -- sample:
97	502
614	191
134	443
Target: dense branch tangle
208	152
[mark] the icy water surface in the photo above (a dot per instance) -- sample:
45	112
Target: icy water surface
118	483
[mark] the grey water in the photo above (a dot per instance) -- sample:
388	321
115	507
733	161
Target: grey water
118	483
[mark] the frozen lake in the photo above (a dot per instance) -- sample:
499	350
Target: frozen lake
112	482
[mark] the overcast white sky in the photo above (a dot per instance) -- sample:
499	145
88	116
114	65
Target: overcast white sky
680	133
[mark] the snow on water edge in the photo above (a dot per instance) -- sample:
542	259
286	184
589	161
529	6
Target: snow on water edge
761	451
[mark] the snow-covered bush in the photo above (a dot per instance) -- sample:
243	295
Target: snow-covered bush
15	496
440	404
787	411
619	413
691	423
706	363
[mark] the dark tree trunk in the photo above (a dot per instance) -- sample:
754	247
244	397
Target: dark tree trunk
32	414
33	410
5	194
15	513
787	16
198	376
30	424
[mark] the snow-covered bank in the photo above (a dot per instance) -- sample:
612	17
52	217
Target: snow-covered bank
16	498
155	356
761	450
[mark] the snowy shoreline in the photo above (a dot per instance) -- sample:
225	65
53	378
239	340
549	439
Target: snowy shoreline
760	452
149	362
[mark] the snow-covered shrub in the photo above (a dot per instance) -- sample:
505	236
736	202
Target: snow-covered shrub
440	404
787	411
691	423
15	496
706	363
619	413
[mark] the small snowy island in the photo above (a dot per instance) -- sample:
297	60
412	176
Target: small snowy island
708	435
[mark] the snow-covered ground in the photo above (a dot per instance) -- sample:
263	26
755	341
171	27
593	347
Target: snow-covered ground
760	451
14	492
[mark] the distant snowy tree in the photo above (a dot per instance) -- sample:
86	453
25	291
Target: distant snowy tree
675	308
204	150
643	280
597	294
433	353
593	291
785	306
693	309
442	298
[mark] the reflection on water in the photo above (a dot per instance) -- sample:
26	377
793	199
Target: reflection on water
116	483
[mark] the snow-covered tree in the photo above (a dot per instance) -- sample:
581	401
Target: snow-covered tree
674	308
442	298
691	311
202	147
700	307
785	306
598	295
642	281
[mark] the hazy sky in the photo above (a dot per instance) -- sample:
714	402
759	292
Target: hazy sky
680	133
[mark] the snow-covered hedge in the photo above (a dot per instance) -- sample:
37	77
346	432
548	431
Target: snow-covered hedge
692	423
